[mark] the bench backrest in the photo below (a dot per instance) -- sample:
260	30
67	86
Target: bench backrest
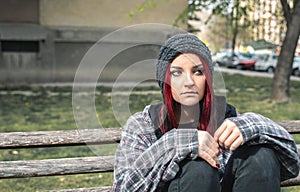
78	165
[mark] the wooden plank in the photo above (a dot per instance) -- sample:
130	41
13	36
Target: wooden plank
59	138
291	126
288	183
291	182
51	167
82	137
94	189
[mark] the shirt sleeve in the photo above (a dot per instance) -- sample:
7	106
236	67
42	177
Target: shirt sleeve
257	129
142	161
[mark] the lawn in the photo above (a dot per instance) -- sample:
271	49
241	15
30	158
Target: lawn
30	108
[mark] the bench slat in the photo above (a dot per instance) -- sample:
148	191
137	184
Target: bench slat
94	189
67	166
52	167
291	182
59	138
81	137
292	127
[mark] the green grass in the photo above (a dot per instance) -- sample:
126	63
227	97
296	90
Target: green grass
252	94
50	108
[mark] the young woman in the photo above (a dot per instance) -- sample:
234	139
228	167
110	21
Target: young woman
173	146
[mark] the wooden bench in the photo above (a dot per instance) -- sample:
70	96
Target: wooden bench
79	165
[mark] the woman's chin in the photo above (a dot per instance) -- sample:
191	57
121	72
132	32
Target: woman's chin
189	102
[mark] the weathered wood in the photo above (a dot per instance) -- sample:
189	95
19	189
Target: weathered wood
51	167
291	182
82	136
66	166
94	189
291	126
59	138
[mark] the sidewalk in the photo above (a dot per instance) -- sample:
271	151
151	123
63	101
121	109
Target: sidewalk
252	73
153	83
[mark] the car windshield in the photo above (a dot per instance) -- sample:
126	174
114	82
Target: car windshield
247	55
263	57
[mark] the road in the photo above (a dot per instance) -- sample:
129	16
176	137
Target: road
251	73
151	83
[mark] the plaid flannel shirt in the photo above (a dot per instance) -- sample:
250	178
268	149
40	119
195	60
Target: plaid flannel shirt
143	160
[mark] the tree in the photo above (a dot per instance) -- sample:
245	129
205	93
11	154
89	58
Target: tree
281	80
234	11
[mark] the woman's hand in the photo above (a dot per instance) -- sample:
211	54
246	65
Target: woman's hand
208	148
228	135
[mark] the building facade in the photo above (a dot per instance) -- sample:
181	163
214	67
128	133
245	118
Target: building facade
45	40
268	20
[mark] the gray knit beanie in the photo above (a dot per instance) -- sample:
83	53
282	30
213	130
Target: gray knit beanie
178	44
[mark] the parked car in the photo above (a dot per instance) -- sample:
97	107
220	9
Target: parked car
296	66
266	62
248	61
227	60
217	56
239	61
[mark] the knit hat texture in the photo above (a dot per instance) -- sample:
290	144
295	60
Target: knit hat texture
176	45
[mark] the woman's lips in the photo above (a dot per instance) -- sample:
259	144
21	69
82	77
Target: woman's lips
188	93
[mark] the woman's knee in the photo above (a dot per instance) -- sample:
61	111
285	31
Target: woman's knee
194	175
264	160
255	165
198	169
199	173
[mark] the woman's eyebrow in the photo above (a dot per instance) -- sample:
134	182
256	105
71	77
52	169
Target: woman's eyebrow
195	66
176	67
198	66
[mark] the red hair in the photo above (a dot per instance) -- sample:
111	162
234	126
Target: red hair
167	117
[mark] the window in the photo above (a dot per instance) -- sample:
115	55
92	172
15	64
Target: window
19	46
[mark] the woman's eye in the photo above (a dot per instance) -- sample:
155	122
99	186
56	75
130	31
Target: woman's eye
176	73
198	72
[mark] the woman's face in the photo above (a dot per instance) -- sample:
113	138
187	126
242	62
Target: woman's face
187	79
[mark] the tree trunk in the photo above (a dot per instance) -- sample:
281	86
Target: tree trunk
235	26
281	80
234	35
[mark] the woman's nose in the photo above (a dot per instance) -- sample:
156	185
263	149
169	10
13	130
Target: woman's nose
189	80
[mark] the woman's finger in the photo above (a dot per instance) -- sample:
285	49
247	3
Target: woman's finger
236	143
212	161
227	133
207	143
223	137
208	148
220	130
231	138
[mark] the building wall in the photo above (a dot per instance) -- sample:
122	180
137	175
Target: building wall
65	30
107	13
26	53
269	26
18	11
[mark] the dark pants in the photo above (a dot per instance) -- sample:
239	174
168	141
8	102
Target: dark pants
254	168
